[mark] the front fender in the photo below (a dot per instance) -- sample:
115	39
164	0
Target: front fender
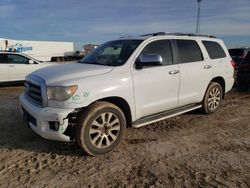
98	87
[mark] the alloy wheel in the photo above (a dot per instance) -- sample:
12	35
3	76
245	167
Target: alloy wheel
104	130
214	98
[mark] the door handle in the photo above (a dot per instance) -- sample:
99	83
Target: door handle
207	67
11	65
174	72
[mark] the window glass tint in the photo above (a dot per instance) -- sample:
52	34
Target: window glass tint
3	59
17	59
247	59
162	48
189	51
112	50
236	52
214	49
113	53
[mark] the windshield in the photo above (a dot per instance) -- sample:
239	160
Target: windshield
114	53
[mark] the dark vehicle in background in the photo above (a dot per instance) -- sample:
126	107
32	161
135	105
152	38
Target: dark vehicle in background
238	54
243	76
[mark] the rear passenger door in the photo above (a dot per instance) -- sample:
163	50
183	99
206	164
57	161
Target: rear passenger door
4	68
195	71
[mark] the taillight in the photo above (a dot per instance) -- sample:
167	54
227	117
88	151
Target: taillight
233	63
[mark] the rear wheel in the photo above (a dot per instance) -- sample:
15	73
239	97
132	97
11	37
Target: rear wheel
100	128
212	99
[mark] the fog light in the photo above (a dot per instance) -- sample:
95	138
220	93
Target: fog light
54	125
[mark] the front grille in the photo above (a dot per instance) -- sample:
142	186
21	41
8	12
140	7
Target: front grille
34	92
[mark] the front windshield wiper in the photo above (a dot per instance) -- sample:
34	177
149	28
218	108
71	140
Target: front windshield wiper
93	63
87	62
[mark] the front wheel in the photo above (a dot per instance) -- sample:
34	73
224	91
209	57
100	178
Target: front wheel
100	128
212	99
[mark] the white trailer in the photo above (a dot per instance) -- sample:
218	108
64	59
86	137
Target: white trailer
41	50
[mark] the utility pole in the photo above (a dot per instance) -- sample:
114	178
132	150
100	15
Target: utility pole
198	17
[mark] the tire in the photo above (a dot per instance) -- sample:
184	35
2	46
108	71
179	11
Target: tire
100	128
212	99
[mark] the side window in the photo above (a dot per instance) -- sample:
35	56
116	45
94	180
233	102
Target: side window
17	59
189	51
214	49
3	59
162	48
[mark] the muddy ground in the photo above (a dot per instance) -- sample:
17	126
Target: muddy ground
191	150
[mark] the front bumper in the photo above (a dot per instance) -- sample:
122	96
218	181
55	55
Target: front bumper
41	116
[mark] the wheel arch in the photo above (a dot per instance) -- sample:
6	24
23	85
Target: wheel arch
222	82
123	105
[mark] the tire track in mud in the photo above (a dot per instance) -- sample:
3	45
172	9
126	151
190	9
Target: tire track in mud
9	166
76	170
219	179
25	167
15	169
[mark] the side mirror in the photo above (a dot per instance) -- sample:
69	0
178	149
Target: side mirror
148	60
31	61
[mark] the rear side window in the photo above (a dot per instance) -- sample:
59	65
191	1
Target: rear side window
189	51
214	49
162	48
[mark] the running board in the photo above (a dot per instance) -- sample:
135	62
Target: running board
164	115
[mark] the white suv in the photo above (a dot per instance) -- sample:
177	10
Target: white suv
131	81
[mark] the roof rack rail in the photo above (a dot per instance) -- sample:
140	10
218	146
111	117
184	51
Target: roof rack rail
210	36
154	34
125	37
177	34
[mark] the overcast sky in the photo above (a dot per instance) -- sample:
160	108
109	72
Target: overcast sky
97	21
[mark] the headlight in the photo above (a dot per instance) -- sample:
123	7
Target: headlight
60	93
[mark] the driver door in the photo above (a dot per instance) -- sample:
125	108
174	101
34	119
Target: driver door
4	68
156	88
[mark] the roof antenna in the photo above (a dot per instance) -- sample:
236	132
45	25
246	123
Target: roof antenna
198	18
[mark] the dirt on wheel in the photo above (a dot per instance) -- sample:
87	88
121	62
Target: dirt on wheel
191	150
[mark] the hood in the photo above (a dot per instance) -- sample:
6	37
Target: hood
48	63
59	73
